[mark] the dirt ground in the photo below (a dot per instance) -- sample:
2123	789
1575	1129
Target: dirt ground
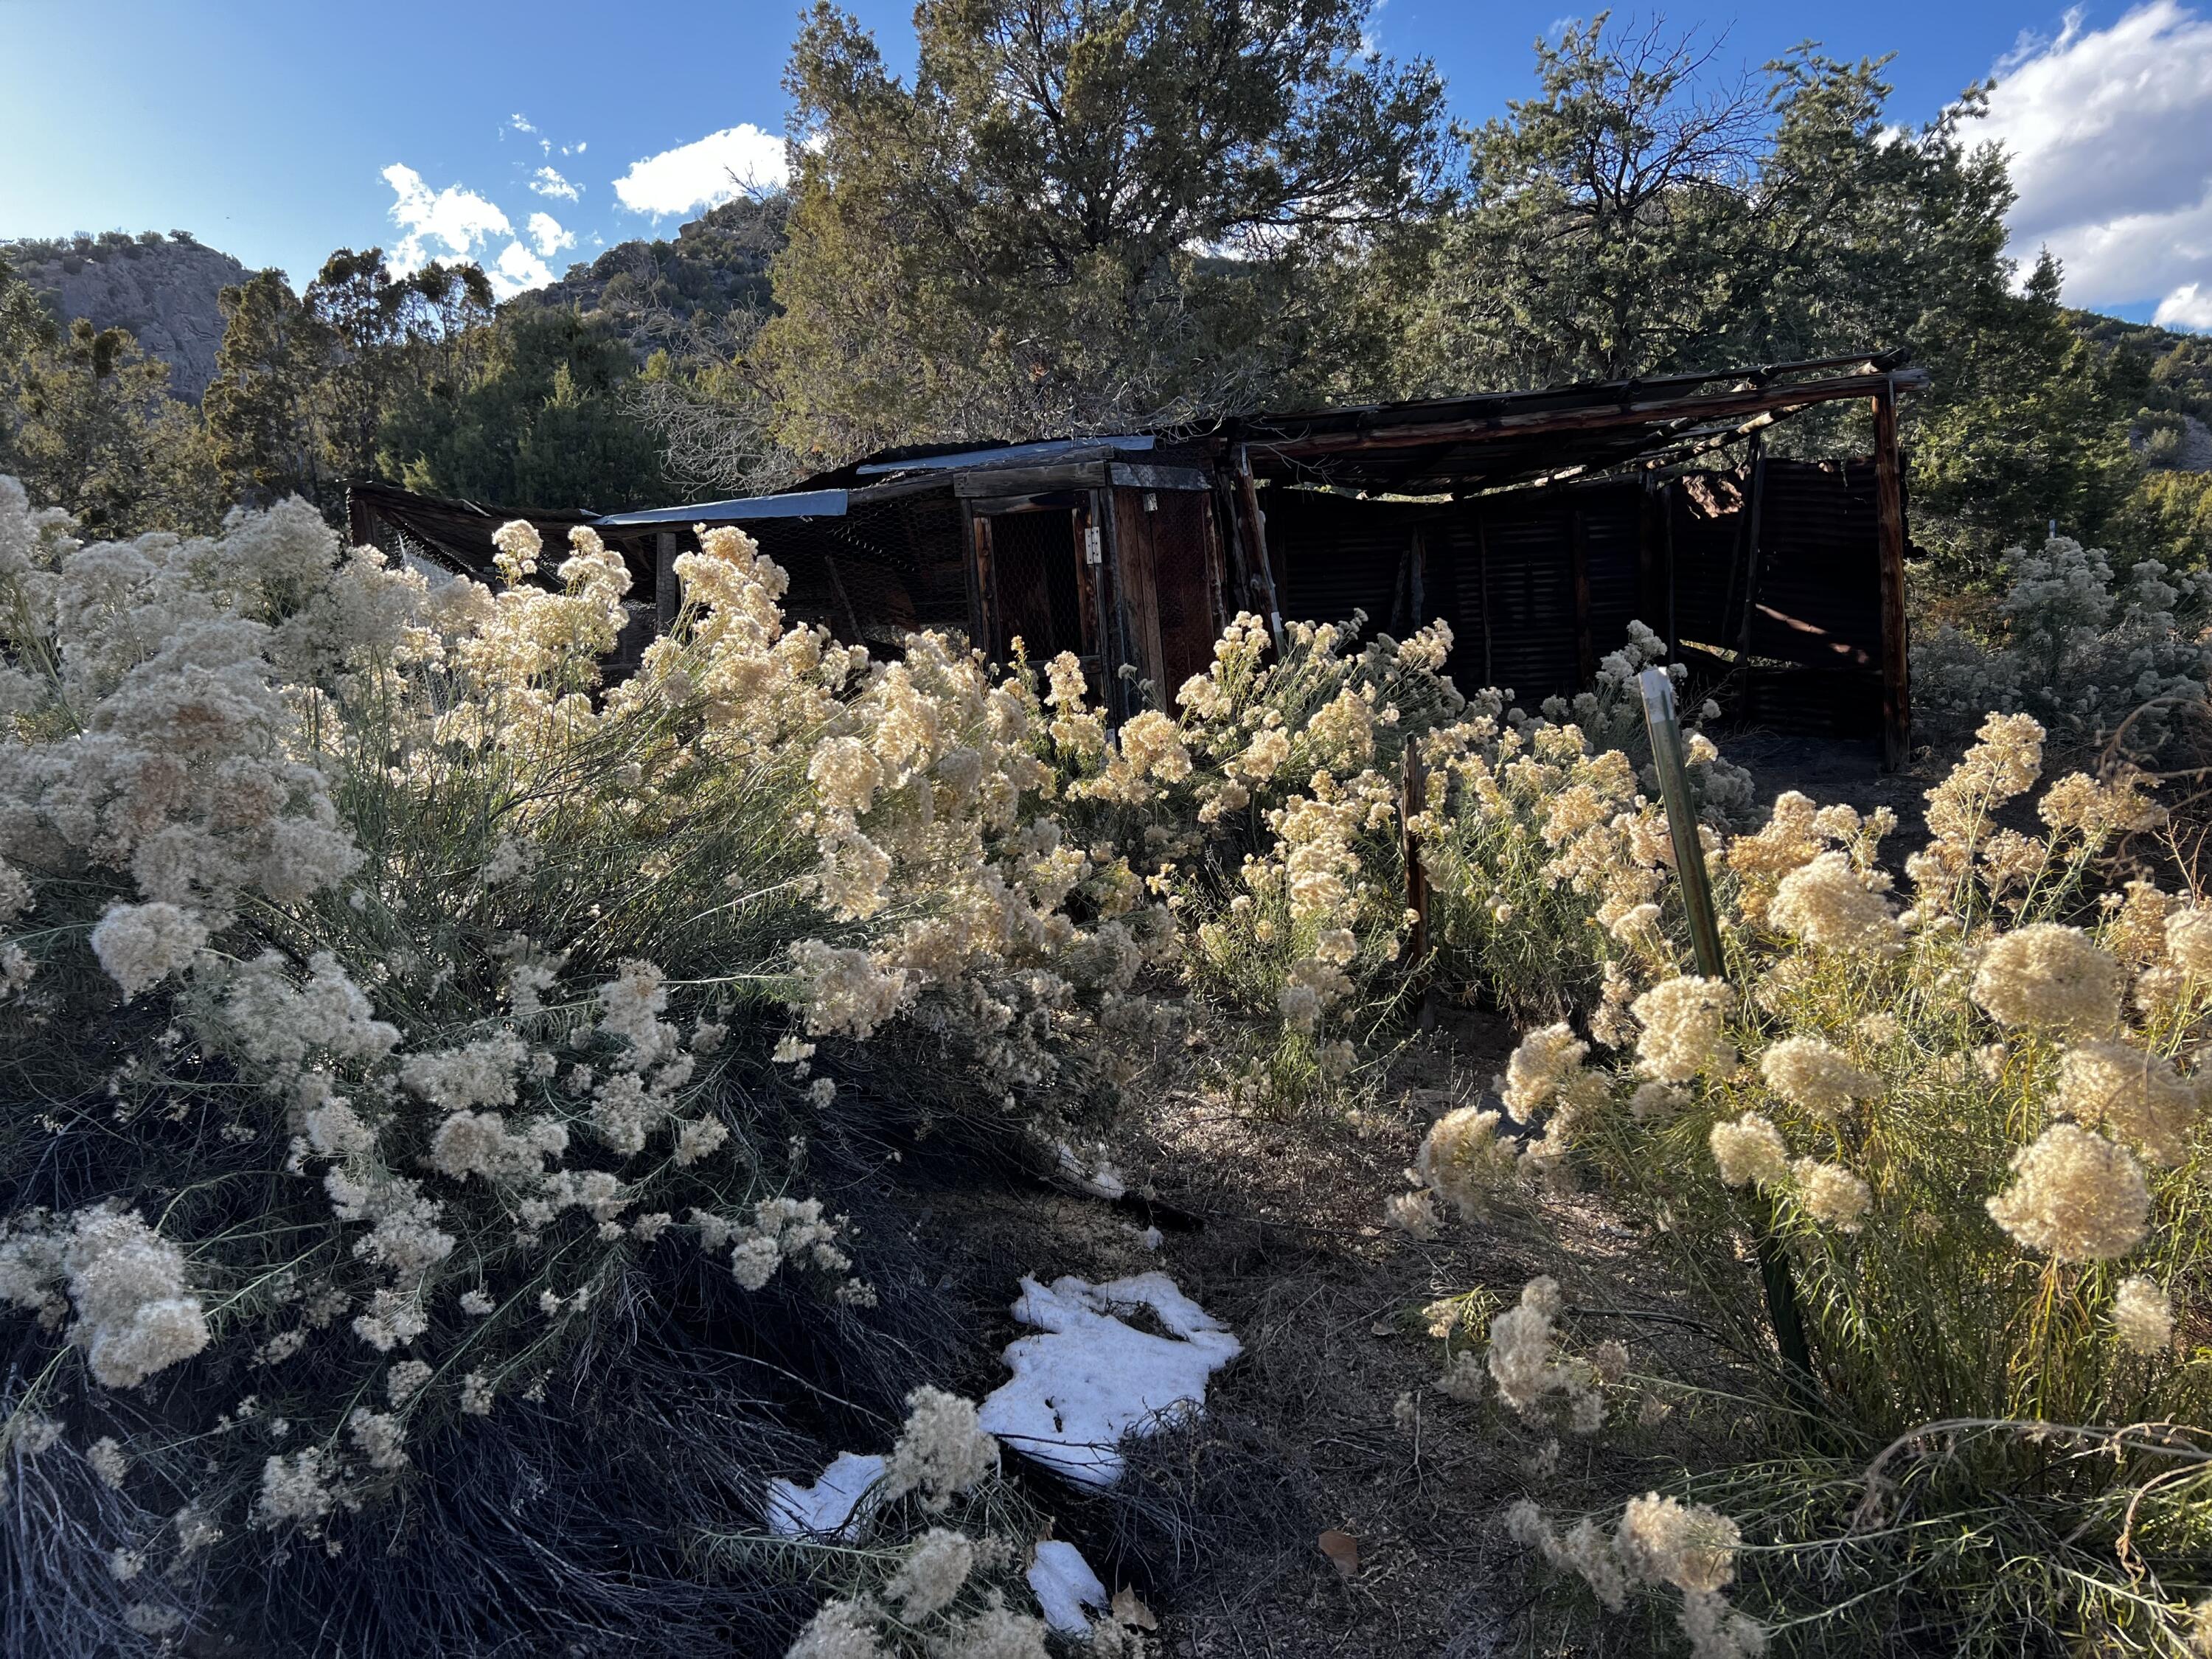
1274	1225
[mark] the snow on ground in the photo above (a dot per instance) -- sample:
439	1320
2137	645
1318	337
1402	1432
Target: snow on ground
1090	1378
1064	1585
831	1506
1099	1178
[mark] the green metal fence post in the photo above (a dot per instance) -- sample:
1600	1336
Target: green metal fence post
1664	723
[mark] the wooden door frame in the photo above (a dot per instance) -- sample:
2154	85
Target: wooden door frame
1082	511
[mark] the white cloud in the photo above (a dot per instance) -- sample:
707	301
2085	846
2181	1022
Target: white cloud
441	225
705	172
520	123
548	181
449	226
517	269
2188	307
2110	133
547	235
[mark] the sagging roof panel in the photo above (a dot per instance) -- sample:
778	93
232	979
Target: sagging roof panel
1494	439
797	504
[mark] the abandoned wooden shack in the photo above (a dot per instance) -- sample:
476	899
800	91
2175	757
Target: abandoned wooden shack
1538	524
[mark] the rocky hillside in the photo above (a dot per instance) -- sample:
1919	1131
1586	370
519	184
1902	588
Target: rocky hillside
162	288
694	296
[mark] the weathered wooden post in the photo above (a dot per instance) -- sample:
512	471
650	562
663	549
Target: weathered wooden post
1412	796
1664	723
667	585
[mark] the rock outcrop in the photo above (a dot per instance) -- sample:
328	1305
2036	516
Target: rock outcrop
162	288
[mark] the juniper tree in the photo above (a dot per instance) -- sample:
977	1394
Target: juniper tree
1079	212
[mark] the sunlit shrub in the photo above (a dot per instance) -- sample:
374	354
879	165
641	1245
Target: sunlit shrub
1971	1130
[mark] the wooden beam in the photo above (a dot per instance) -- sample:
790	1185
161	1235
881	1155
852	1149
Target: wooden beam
1029	480
979	585
1255	532
1889	532
1128	476
1655	411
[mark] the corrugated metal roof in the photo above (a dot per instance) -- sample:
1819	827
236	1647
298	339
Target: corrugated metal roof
803	504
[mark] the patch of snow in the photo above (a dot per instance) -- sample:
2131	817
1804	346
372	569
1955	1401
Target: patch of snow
1091	1378
827	1508
1063	1583
1101	1179
1147	1237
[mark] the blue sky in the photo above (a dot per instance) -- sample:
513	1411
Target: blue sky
279	131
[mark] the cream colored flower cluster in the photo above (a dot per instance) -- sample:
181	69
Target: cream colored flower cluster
1825	856
1658	1541
930	786
1684	1033
153	694
782	1229
938	1594
135	1313
1524	1361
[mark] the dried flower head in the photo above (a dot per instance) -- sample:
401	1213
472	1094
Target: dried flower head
141	945
1828	904
941	1451
2049	977
2189	940
1691	1546
1751	1149
2142	1317
1831	1194
1465	1159
1544	1066
933	1573
2074	1196
1815	1075
2137	1097
1684	1031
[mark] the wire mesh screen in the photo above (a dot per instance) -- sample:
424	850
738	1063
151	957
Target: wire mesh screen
1034	590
